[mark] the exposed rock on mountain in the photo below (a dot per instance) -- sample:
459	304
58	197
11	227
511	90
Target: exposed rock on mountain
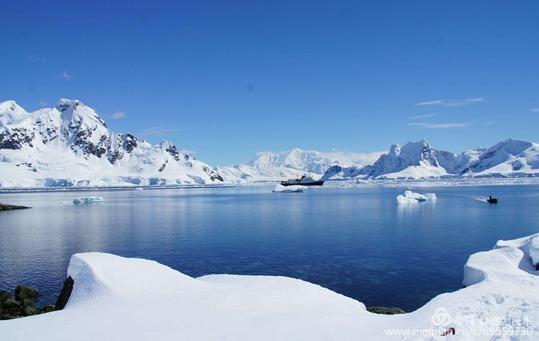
70	145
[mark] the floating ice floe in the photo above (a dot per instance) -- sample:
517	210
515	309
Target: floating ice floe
410	197
289	189
111	297
87	200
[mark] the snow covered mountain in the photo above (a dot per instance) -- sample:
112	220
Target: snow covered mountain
417	160
270	166
70	145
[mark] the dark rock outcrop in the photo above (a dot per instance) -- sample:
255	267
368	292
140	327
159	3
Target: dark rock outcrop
22	304
23	292
64	294
386	310
6	207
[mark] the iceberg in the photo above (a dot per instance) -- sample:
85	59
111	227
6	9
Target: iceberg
289	189
113	296
409	197
87	200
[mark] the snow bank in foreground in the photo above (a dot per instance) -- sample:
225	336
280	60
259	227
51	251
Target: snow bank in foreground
410	197
117	298
289	189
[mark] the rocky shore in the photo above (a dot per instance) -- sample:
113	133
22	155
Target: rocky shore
21	304
6	207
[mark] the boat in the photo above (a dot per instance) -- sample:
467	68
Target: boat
492	200
303	181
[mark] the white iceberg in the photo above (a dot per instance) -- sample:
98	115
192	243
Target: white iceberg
409	197
87	200
118	298
289	189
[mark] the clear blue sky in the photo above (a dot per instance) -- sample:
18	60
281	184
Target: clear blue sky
230	78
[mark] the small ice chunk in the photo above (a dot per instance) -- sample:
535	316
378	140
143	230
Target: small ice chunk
410	197
87	200
289	189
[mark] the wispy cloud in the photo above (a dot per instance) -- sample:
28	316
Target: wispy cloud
37	59
535	110
156	131
452	102
438	125
118	115
42	103
65	75
417	117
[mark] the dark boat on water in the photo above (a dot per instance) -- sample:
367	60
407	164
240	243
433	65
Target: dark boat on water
492	200
303	181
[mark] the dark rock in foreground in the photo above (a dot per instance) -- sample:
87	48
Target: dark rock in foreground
23	292
21	304
65	293
6	207
386	310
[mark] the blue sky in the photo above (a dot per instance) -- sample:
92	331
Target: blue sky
228	79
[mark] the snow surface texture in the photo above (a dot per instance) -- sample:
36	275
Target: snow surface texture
419	160
289	189
70	145
409	197
117	298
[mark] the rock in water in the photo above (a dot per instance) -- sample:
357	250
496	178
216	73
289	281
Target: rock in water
12	303
48	308
386	310
65	294
5	207
4	295
23	292
29	311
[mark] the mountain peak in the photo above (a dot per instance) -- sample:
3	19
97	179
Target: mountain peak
64	104
11	112
76	114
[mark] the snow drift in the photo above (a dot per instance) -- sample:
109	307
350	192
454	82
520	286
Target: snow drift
134	299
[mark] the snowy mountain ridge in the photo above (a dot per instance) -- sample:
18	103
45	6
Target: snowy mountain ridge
71	145
273	166
419	160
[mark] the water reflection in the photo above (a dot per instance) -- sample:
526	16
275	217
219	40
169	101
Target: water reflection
358	242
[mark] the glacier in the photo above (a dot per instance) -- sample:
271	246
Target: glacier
117	298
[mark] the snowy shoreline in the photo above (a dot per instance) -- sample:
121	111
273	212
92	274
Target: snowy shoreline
111	297
328	184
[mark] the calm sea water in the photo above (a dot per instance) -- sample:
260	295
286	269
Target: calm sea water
357	242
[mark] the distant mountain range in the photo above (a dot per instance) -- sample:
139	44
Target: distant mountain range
70	145
269	166
419	160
